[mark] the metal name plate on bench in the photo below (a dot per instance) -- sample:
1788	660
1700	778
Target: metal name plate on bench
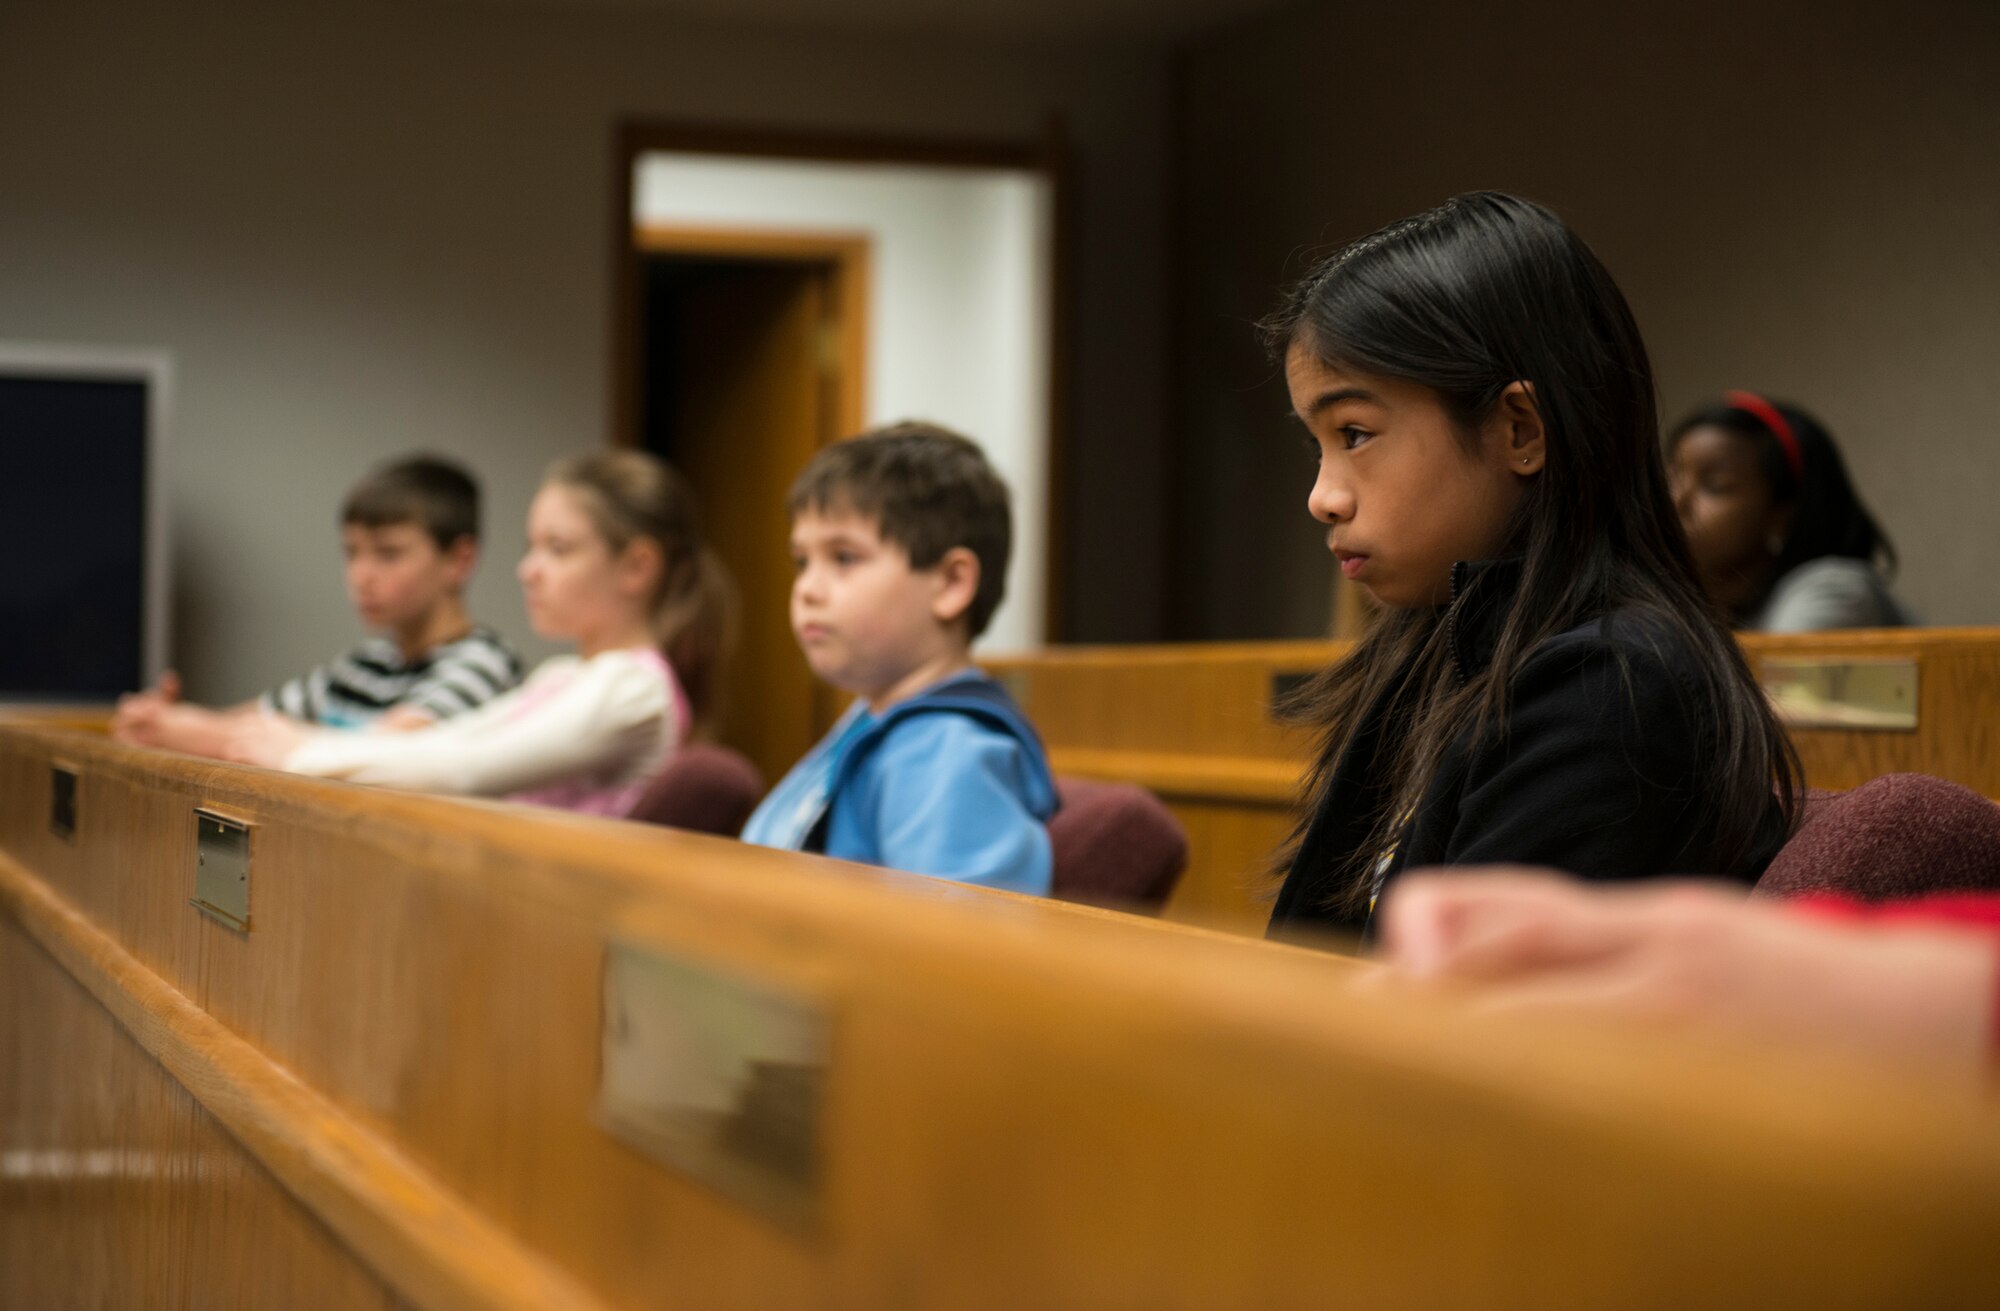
718	1076
1848	694
222	869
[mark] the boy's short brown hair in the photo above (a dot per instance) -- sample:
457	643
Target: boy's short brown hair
929	490
437	495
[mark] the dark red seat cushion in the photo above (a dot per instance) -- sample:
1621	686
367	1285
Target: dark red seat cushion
1900	835
1115	844
704	787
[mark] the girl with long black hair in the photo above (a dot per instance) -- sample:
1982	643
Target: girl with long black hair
1546	682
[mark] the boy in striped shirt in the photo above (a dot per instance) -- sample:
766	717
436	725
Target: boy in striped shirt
410	533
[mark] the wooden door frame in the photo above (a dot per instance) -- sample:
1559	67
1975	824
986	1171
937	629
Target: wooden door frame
1050	157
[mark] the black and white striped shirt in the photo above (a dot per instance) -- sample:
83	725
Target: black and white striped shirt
356	687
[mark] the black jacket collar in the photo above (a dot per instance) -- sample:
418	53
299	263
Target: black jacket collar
1482	591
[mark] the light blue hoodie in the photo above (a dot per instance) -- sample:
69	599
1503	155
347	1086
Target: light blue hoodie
951	782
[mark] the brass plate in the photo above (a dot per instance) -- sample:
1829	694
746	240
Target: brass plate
62	801
222	869
1846	694
717	1076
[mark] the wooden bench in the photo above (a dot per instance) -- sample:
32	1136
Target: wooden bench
464	1055
1957	730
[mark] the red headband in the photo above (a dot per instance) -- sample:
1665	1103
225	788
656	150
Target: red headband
1767	414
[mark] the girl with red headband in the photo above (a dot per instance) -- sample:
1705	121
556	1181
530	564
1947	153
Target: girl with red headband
1781	541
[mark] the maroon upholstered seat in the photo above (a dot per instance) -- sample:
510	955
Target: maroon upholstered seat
1115	844
706	788
1900	835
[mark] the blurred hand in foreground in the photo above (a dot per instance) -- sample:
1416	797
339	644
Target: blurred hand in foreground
1696	954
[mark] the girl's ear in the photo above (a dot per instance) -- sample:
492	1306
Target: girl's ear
1515	430
639	566
957	576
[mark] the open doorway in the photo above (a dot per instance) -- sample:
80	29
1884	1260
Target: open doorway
753	357
777	294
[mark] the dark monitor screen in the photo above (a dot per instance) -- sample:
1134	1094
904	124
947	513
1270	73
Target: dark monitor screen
73	537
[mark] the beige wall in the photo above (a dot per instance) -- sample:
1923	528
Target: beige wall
361	228
380	226
1802	198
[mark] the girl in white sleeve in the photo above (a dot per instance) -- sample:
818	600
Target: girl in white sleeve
616	565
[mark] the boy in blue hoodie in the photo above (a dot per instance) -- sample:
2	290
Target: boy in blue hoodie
900	540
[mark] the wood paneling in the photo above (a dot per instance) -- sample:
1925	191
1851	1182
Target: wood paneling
1232	844
1958	707
1194	724
117	1189
1208	700
1029	1104
432	1246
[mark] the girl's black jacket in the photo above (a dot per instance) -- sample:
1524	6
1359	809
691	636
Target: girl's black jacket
1597	769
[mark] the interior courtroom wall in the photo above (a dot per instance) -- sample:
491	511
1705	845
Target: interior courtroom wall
361	228
1800	198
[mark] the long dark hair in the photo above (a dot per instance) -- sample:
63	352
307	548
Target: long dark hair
1466	299
629	495
1828	517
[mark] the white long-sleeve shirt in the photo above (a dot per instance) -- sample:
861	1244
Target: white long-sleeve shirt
581	734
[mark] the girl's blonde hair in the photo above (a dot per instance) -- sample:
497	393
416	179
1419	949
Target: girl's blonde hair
631	495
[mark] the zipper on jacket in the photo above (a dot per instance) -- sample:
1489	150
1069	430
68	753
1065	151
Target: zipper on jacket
1451	626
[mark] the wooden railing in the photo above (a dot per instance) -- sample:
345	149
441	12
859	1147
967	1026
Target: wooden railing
461	1054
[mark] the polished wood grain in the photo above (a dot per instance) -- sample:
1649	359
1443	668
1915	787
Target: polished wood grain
1205	700
1169	773
1029	1104
118	1189
1196	724
1234	845
427	1243
92	719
